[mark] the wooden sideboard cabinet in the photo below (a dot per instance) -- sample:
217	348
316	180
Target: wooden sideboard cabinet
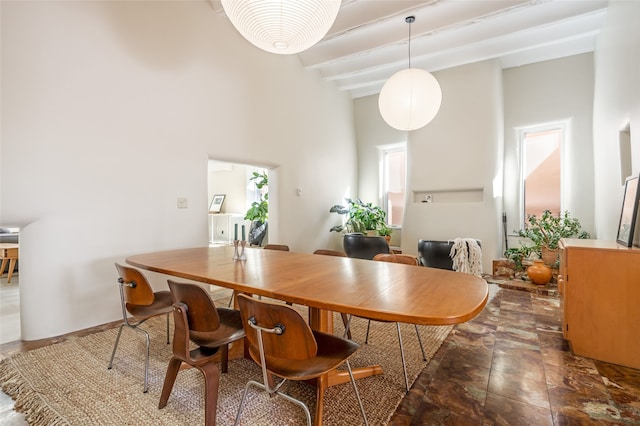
599	283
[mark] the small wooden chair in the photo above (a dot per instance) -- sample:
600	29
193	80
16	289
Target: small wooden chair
283	344
405	259
330	253
197	320
138	299
281	247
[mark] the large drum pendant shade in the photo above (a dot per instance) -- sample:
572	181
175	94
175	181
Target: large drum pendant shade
410	99
282	26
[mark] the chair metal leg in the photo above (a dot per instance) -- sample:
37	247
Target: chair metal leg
146	362
346	320
347	328
244	397
233	294
355	388
366	338
404	365
283	395
424	356
113	353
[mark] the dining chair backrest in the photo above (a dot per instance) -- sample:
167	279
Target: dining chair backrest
296	342
330	253
202	314
405	259
281	247
139	291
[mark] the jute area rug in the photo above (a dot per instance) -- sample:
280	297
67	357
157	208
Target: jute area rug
68	383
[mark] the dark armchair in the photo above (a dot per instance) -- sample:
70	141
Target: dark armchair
436	254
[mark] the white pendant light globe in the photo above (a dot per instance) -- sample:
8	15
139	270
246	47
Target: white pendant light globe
410	99
282	26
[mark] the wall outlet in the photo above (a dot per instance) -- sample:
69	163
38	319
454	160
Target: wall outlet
183	203
428	198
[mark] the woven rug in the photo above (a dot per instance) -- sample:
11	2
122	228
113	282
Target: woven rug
68	383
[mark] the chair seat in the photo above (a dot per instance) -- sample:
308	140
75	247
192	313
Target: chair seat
229	331
162	304
332	352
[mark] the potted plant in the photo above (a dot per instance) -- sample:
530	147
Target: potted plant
258	213
517	254
363	222
361	217
385	231
546	231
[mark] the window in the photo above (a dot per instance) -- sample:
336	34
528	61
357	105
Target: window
394	182
541	170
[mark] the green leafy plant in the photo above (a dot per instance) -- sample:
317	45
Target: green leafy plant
517	254
259	210
361	216
384	230
547	230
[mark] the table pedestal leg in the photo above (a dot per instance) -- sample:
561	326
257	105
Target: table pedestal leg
322	320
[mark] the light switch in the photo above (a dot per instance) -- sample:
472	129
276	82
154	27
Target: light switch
183	203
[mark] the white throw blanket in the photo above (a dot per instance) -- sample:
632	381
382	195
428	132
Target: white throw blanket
467	256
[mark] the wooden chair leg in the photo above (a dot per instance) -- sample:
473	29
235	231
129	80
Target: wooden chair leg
224	358
4	265
169	380
211	381
321	386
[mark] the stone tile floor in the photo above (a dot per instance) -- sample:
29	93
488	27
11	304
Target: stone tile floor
508	366
511	366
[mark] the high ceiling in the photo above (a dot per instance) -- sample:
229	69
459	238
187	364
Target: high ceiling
369	39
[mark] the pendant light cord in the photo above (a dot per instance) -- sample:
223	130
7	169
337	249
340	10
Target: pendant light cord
409	20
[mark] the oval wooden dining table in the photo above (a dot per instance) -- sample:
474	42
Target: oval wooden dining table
378	290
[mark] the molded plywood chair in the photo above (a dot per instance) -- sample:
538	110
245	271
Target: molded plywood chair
197	320
406	260
330	253
138	299
283	344
280	247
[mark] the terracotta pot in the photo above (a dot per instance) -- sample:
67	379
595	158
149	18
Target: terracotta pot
550	256
539	273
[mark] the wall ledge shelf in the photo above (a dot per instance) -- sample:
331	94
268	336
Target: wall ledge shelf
469	195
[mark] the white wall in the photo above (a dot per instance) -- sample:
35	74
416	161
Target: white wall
110	112
458	150
231	180
550	91
616	102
